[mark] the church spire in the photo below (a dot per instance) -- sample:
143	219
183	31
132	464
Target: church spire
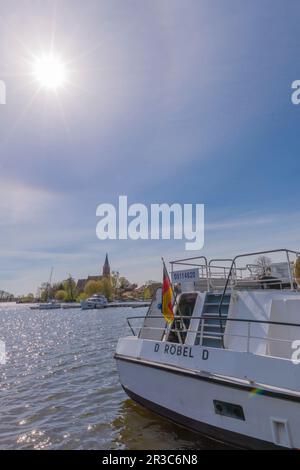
106	267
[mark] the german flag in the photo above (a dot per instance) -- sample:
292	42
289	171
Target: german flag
167	297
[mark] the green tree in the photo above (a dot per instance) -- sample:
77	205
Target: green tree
70	288
81	297
45	291
123	283
28	298
153	286
57	286
93	287
61	295
114	278
147	293
107	288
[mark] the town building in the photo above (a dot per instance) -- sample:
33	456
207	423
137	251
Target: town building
81	283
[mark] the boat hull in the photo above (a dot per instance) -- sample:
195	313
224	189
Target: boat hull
189	401
229	438
46	307
86	305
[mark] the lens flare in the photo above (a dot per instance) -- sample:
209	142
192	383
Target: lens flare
50	71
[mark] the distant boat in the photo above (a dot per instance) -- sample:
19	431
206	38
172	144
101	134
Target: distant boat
96	301
51	304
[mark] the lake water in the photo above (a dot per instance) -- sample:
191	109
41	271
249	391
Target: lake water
60	388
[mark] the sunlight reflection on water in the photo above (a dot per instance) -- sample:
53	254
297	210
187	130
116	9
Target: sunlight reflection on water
60	388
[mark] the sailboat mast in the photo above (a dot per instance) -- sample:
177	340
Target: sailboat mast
50	281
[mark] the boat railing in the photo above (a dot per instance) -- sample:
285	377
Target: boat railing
213	275
200	334
220	274
257	281
194	262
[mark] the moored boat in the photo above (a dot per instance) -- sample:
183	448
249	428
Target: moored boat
53	305
96	301
50	304
228	364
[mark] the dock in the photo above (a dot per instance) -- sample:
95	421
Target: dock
112	305
127	304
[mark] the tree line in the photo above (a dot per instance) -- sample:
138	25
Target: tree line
113	287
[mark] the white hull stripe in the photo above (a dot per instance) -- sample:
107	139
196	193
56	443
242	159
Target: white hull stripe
218	381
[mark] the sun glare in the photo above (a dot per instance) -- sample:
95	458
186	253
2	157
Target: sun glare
50	72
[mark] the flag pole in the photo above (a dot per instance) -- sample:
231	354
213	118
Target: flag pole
175	296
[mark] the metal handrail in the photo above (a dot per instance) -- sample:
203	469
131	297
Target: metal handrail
213	317
284	250
229	274
233	270
207	267
183	262
217	267
217	335
189	259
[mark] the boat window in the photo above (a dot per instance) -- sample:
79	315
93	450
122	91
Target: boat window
184	308
229	409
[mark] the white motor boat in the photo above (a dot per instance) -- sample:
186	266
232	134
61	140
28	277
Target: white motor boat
228	365
96	301
53	305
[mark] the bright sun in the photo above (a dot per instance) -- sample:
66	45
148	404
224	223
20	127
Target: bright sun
50	72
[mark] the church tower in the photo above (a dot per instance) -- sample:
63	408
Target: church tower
106	267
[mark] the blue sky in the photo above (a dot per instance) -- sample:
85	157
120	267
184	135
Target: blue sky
170	101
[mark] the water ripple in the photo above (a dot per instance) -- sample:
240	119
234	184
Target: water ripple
60	387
